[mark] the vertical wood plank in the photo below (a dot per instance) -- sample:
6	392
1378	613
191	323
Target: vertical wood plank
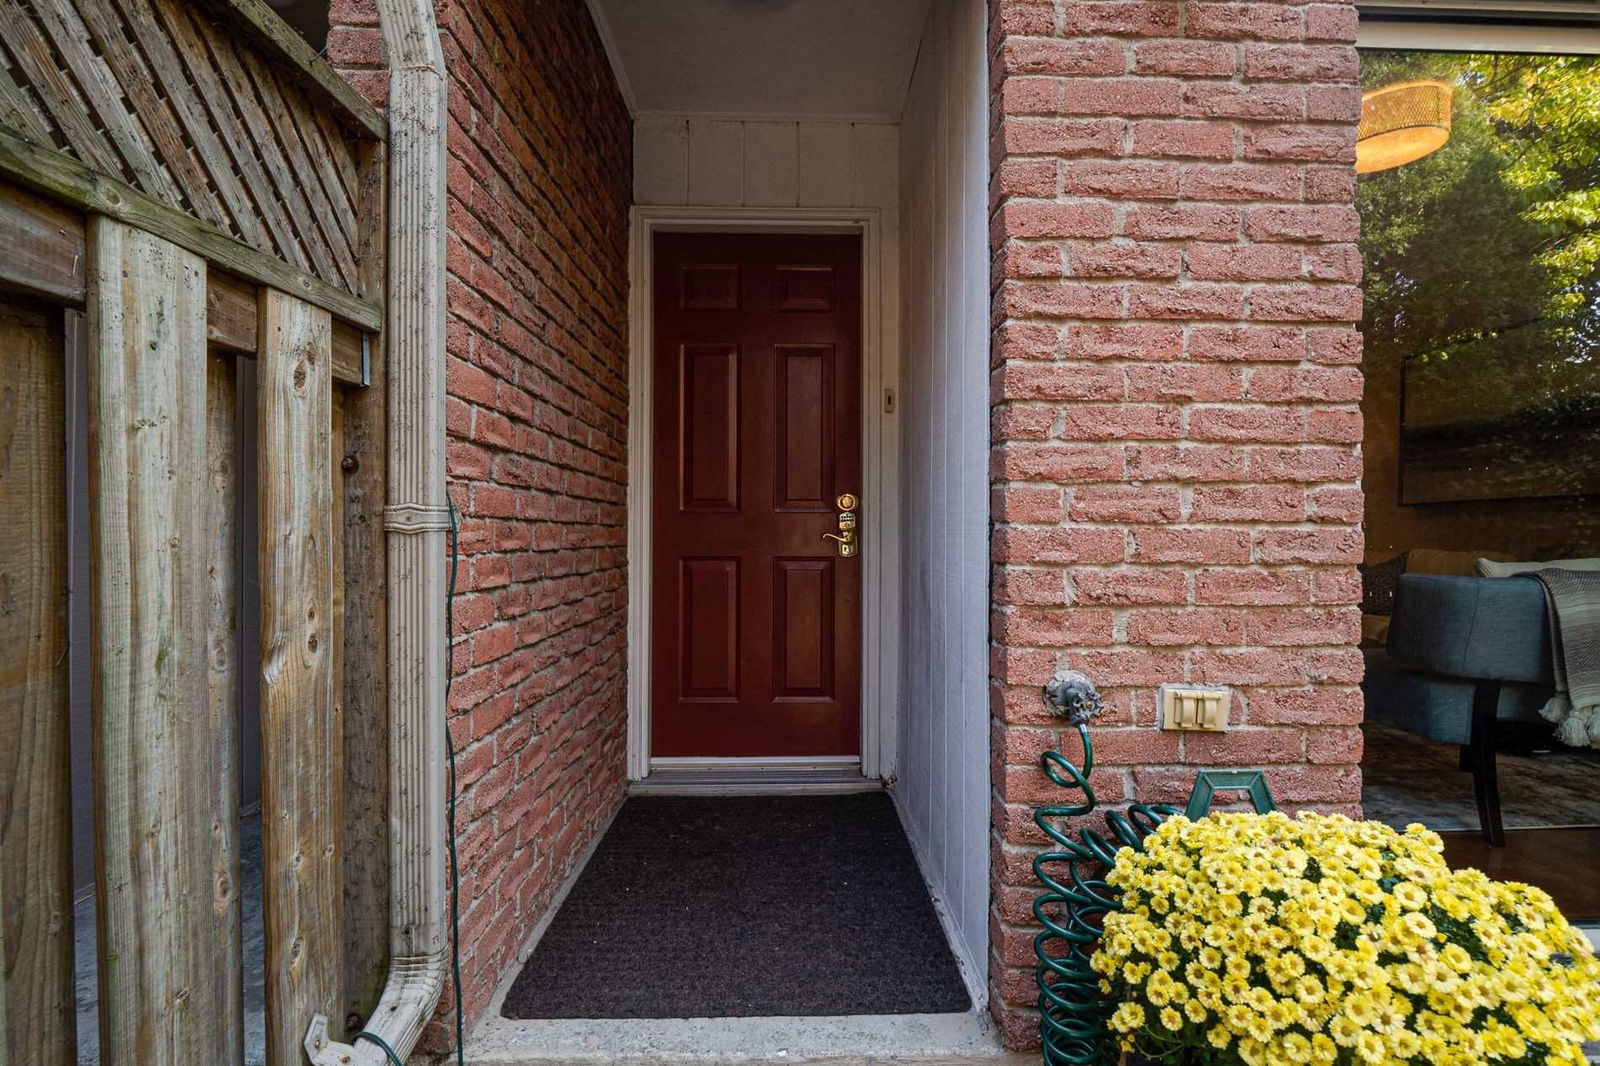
217	771
876	152
36	1004
301	735
364	487
716	162
771	163
336	644
5	1022
661	161
365	696
336	526
163	809
825	167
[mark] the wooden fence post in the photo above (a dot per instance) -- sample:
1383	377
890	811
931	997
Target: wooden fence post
301	734
165	801
36	1002
165	796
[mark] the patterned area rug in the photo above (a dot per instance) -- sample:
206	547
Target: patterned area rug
1407	778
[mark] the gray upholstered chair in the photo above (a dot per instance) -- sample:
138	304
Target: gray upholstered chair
1464	654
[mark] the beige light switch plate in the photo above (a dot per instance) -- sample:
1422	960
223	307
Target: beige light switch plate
1194	707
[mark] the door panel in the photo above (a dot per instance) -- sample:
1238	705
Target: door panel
802	624
709	417
756	618
709	631
805	441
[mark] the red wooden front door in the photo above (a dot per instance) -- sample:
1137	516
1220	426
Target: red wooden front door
756	647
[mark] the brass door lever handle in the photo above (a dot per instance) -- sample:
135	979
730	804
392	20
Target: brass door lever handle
847	541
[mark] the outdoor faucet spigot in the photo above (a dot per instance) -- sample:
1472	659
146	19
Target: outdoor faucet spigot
1072	695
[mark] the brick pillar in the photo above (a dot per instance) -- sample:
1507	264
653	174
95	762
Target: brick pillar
1176	458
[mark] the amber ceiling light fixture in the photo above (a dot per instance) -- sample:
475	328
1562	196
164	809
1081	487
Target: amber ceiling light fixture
1401	123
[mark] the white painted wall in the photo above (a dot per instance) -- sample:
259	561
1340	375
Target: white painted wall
943	785
734	162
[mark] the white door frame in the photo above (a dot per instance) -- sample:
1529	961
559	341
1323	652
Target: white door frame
880	491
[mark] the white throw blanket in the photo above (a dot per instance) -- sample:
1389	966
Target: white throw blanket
1573	601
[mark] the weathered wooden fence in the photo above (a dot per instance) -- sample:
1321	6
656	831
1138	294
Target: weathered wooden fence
183	187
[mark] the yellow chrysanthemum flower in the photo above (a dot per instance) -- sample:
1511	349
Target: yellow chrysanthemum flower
1320	940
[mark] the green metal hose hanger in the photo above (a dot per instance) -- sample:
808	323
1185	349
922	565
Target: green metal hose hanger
1073	1013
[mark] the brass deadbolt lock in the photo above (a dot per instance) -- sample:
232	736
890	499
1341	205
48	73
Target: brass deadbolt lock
847	540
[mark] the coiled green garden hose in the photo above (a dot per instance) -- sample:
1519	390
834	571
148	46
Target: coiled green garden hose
1072	1011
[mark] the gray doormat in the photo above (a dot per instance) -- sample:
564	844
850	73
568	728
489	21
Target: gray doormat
745	906
1407	778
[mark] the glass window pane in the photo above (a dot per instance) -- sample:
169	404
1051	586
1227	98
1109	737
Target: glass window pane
1481	241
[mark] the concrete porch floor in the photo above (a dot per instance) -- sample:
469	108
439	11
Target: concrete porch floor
967	1036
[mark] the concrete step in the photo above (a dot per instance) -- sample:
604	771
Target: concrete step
865	1040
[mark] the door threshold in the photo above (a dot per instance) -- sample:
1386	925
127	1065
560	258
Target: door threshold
852	1040
744	777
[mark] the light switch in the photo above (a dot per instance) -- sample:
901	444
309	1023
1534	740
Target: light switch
1194	707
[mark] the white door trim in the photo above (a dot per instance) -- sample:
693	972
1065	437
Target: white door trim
880	512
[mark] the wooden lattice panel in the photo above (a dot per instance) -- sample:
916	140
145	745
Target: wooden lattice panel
169	97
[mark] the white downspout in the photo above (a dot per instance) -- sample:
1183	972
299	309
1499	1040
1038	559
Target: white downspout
417	519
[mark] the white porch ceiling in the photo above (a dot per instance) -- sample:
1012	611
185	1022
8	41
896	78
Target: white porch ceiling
769	58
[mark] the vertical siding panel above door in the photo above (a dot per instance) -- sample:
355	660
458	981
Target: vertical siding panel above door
727	163
771	164
661	161
716	162
164	947
875	158
301	734
825	164
36	1016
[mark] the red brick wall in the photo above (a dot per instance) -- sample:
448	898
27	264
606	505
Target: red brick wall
1175	386
539	190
